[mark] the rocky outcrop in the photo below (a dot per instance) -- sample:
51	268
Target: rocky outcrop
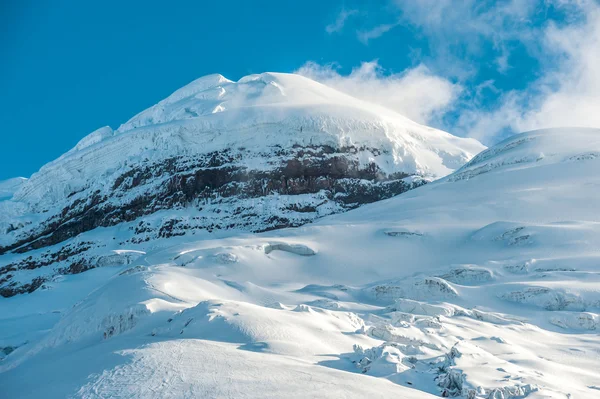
219	178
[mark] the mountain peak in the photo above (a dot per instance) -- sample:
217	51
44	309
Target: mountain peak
259	113
283	94
199	85
269	151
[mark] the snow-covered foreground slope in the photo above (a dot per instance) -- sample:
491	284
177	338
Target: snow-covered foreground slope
266	152
485	284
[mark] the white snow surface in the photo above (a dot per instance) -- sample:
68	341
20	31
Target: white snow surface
257	113
484	284
10	186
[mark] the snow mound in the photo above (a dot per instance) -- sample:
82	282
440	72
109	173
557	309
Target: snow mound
263	329
546	298
577	321
422	308
467	275
417	289
298	249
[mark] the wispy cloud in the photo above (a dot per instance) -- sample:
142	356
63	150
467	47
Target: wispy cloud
340	21
416	93
458	31
365	35
567	92
561	37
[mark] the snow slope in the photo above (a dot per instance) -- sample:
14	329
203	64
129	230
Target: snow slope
485	284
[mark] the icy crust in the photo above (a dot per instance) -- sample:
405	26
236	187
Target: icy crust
258	113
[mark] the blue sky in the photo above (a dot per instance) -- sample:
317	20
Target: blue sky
474	68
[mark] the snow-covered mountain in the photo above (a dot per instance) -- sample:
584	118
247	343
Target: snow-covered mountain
482	284
266	152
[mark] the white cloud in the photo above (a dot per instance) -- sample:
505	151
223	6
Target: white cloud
571	94
340	21
502	61
415	93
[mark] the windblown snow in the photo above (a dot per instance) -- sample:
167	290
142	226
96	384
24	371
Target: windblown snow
483	284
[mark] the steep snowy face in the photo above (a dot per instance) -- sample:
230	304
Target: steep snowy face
269	151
